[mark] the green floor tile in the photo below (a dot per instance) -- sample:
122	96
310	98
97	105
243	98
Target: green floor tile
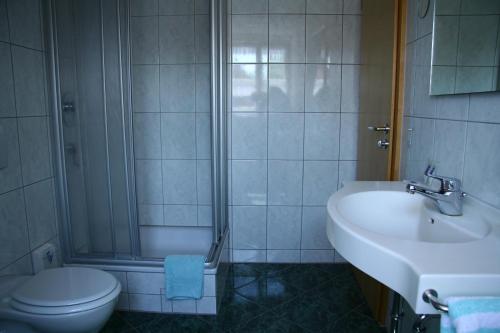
270	298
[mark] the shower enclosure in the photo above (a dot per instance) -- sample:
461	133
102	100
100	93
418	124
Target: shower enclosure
139	89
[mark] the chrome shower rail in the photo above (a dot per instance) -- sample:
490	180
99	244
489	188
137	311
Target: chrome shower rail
431	296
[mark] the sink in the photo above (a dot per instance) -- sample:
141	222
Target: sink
403	241
402	215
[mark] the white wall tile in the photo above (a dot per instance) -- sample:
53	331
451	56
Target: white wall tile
21	266
177	45
179	182
287	38
283	227
123	303
420	151
180	215
25	23
286	136
249	135
449	154
249	227
324	6
323	38
287	6
205	216
285	182
454	107
351	39
347	171
274	177
204	182
202	6
178	135
144	36
173	7
353	7
249	256
149	185
249	182
322	134
13	231
320	181
485	107
286	88
7	97
206	305
350	88
322	88
10	176
209	285
145	283
145	88
177	88
143	7
145	303
184	306
202	87
283	256
4	23
253	30
147	135
35	151
203	143
481	176
349	136
29	81
249	87
314	229
41	212
249	7
202	38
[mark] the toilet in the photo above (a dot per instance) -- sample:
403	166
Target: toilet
65	299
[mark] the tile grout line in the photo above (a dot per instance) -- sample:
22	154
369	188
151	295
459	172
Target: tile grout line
25	209
341	108
267	130
303	139
195	69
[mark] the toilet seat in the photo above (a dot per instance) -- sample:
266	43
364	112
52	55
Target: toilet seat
65	290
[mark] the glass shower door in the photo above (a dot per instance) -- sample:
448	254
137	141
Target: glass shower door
141	128
91	50
171	105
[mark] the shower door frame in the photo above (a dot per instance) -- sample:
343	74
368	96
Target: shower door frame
218	97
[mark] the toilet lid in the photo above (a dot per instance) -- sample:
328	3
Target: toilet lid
65	286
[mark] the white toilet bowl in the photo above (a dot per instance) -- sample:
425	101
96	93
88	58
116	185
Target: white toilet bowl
67	299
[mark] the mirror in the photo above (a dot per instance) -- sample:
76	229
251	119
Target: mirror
465	47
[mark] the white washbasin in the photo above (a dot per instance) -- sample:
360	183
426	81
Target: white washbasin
405	216
403	241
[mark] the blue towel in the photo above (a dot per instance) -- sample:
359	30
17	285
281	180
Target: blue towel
472	315
184	276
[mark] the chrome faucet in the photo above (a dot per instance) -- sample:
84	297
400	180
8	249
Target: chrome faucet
449	197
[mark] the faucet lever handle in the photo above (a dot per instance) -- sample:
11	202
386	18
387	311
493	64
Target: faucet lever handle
448	184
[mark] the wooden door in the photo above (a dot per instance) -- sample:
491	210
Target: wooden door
381	87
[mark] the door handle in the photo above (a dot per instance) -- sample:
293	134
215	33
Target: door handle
384	129
383	144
